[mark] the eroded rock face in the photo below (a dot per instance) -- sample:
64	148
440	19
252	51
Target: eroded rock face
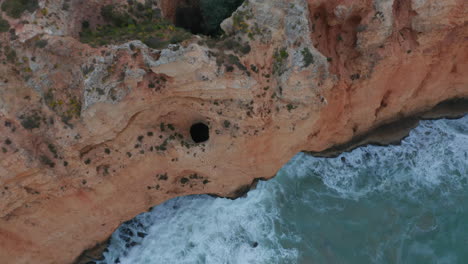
90	137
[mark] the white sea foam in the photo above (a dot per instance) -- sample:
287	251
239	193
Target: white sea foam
372	205
202	229
434	156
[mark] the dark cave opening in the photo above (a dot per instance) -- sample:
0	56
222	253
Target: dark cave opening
199	132
189	18
204	16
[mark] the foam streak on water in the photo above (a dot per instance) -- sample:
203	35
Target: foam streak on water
395	204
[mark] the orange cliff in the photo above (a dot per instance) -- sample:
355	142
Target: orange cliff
91	137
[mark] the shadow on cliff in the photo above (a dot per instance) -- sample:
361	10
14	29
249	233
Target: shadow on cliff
204	16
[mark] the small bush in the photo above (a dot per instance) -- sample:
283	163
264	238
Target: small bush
53	150
234	60
155	43
231	44
131	23
163	177
179	37
184	180
85	24
245	49
11	55
4	25
42	43
46	161
291	107
254	68
280	58
31	121
15	8
229	68
308	58
118	18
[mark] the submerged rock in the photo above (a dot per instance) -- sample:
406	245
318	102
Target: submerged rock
141	234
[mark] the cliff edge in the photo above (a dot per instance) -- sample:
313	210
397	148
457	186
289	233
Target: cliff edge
94	130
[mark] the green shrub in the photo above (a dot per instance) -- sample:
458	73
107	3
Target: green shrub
31	121
117	17
291	107
85	24
42	43
308	58
46	161
234	60
184	180
231	44
131	23
280	58
53	149
4	25
179	37
155	43
15	8
11	55
245	49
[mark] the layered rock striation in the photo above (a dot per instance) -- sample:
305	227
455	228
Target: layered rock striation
91	136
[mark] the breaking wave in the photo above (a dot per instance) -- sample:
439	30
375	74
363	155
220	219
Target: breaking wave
395	204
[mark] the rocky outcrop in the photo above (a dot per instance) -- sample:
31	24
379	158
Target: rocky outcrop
90	137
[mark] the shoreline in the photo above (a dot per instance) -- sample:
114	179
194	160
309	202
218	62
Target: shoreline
391	133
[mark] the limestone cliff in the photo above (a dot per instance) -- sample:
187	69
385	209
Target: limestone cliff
92	136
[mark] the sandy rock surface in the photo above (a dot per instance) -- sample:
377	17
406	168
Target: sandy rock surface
91	137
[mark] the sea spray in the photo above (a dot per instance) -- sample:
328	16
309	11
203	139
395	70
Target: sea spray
396	204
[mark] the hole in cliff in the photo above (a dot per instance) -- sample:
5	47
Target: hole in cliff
199	132
204	16
189	18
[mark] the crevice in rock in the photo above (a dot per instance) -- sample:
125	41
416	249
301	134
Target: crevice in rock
336	41
403	14
86	149
383	103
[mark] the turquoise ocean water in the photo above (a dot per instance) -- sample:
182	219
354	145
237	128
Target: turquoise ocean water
394	204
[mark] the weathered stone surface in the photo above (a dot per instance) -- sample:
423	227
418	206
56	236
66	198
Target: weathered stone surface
90	137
